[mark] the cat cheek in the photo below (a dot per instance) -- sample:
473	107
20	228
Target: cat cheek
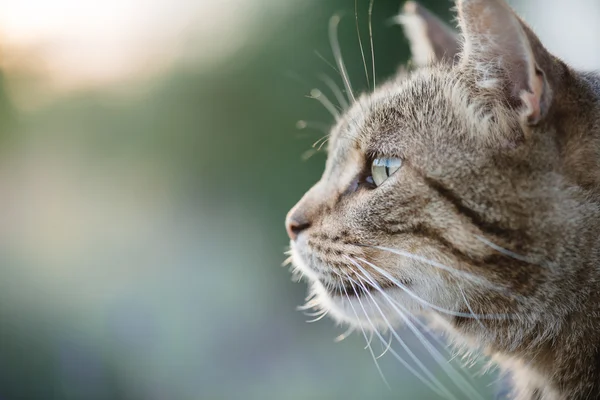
353	187
513	142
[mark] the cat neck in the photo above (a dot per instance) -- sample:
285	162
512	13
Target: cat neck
559	356
577	120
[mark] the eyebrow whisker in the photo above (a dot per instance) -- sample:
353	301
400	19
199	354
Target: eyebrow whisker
337	52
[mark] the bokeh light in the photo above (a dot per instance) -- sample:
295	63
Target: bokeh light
149	152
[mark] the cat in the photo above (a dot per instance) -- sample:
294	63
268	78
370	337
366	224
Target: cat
467	191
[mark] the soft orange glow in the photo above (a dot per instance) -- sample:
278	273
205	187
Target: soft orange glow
85	42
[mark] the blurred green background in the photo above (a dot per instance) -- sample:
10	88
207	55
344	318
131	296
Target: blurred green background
141	218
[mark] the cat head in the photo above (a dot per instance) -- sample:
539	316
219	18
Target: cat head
463	189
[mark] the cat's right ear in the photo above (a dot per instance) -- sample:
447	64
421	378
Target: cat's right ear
431	40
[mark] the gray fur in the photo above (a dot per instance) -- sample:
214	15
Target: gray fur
485	189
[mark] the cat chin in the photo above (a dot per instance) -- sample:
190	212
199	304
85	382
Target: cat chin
361	311
393	305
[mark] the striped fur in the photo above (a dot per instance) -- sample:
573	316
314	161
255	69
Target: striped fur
500	185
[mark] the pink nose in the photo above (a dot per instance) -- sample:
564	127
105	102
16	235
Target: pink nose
295	223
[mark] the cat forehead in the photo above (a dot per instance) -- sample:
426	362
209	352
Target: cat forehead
404	112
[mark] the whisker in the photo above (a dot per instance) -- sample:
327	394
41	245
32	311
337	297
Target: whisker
504	251
396	355
362	51
456	377
433	383
311	298
389	345
344	335
335	90
308	305
370	340
430	262
423	327
371	37
319	318
327	62
424	302
462	292
320	143
365	336
308	154
337	52
453	271
315	314
324	100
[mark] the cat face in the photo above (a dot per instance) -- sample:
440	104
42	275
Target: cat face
452	191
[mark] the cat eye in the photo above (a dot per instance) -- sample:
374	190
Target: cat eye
383	168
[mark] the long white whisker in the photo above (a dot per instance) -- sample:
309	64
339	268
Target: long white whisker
337	52
396	355
362	51
319	318
324	100
344	335
432	263
369	341
387	348
504	251
462	292
365	335
335	90
424	302
371	37
309	304
433	383
287	261
425	328
319	143
314	314
305	157
456	377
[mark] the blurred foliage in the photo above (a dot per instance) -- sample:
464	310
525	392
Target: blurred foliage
7	112
199	309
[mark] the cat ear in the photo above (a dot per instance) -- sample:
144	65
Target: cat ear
504	55
430	39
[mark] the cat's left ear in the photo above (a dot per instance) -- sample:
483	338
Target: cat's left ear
431	40
505	57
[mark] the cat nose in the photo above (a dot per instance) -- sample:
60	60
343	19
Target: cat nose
296	222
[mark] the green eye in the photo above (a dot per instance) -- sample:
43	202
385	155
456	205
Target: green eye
383	168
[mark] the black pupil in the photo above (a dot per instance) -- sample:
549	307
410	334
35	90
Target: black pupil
387	170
